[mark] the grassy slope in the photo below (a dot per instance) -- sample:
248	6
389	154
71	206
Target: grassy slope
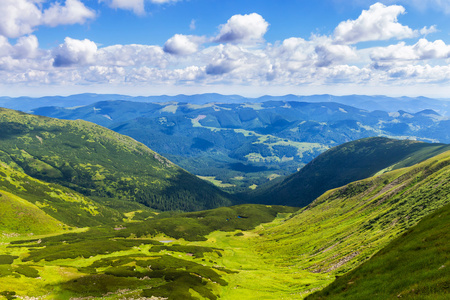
18	216
99	162
344	164
415	265
54	200
346	226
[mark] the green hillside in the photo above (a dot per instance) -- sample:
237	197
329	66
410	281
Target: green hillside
416	266
344	164
35	198
18	216
100	163
346	226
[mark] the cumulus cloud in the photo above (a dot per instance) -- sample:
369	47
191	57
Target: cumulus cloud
74	52
422	50
226	59
5	47
21	17
132	55
73	12
420	73
378	23
243	29
181	44
234	63
329	54
191	60
26	47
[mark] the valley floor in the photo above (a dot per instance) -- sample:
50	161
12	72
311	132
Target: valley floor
248	275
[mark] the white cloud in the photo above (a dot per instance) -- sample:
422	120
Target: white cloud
181	44
5	47
132	55
73	12
74	52
191	61
422	50
26	47
18	17
428	30
225	60
243	29
378	23
329	54
137	6
21	17
417	74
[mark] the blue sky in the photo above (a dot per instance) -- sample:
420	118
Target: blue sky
247	47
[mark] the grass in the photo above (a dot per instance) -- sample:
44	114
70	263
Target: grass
227	261
20	216
216	182
415	265
99	263
352	223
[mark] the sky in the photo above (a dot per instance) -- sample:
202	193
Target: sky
245	47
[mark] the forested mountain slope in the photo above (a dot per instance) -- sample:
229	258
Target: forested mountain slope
341	165
100	163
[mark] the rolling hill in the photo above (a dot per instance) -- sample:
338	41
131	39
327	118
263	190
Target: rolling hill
341	165
100	163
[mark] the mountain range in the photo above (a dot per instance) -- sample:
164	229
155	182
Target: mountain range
244	145
370	103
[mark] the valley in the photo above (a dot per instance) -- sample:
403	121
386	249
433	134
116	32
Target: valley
88	213
255	140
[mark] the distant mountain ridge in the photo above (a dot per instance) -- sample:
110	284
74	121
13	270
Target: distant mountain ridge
371	103
242	145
